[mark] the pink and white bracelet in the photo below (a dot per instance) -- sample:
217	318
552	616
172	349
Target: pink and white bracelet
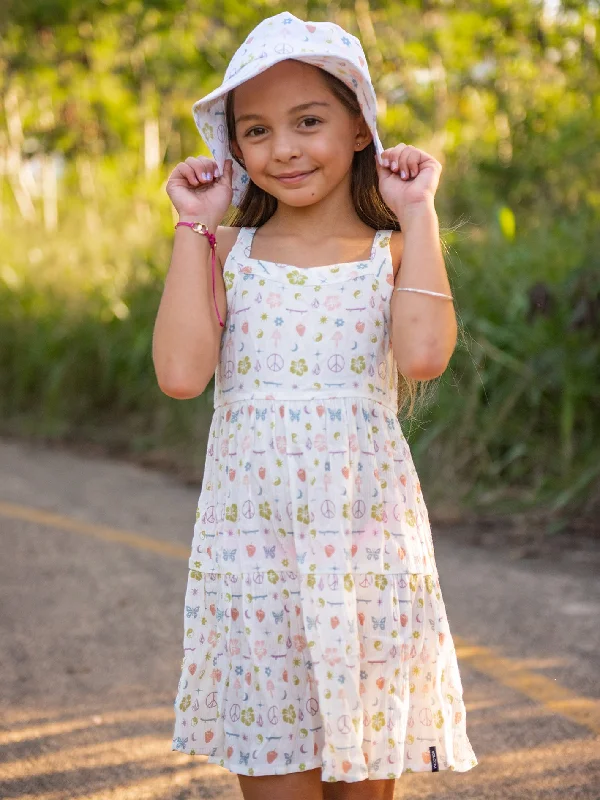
200	227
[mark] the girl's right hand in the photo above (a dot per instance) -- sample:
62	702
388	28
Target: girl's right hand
194	195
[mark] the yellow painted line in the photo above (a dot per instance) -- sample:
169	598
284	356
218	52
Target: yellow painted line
584	711
105	532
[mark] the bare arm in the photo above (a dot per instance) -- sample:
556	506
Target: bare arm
424	329
187	333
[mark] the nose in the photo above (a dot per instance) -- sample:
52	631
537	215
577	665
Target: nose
284	146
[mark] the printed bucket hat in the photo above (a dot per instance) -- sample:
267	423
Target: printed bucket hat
323	44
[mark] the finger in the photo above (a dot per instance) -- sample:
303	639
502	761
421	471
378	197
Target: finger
227	170
412	164
393	156
188	173
198	166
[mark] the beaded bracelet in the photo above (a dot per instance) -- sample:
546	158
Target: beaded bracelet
424	291
200	227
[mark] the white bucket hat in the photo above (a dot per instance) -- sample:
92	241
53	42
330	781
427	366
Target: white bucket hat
323	44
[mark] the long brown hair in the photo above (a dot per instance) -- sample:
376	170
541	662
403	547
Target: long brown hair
257	206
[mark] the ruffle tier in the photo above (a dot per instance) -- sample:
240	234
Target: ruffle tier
354	673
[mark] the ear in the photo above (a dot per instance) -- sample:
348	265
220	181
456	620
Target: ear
235	149
363	135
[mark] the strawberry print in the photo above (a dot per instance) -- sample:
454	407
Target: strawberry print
315	628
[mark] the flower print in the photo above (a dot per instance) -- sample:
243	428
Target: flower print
358	364
409	515
246	443
299	642
239	670
273	299
260	651
378	720
267	671
289	714
186	702
247	716
332	302
281	443
244	365
331	656
278	321
228	276
299	367
296	277
213	638
339	322
303	515
264	509
231	512
320	442
346	40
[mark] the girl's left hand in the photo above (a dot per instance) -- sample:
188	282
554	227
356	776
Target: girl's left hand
422	173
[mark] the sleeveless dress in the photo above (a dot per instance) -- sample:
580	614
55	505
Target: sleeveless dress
315	632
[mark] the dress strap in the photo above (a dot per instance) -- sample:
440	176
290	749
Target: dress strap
381	244
242	245
245	241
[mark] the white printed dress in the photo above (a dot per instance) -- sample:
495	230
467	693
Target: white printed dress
315	633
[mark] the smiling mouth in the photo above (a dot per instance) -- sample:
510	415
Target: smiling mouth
296	178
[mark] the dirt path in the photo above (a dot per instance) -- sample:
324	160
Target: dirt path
92	580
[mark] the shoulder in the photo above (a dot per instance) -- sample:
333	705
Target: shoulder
396	249
225	240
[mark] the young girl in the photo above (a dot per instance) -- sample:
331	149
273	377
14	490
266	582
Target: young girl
318	660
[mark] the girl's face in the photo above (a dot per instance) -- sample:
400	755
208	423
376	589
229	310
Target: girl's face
274	137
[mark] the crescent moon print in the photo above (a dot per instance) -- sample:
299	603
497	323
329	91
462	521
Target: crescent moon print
313	609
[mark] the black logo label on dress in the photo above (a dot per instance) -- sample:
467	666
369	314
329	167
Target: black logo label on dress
434	761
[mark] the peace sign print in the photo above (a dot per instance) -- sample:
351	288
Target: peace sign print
336	362
328	509
228	369
275	362
344	724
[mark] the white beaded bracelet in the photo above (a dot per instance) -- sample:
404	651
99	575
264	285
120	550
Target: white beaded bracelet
424	291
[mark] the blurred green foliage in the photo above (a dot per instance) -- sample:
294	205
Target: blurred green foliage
96	110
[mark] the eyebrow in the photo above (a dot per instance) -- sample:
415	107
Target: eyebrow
301	107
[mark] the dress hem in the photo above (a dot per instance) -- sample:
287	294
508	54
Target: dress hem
288	768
